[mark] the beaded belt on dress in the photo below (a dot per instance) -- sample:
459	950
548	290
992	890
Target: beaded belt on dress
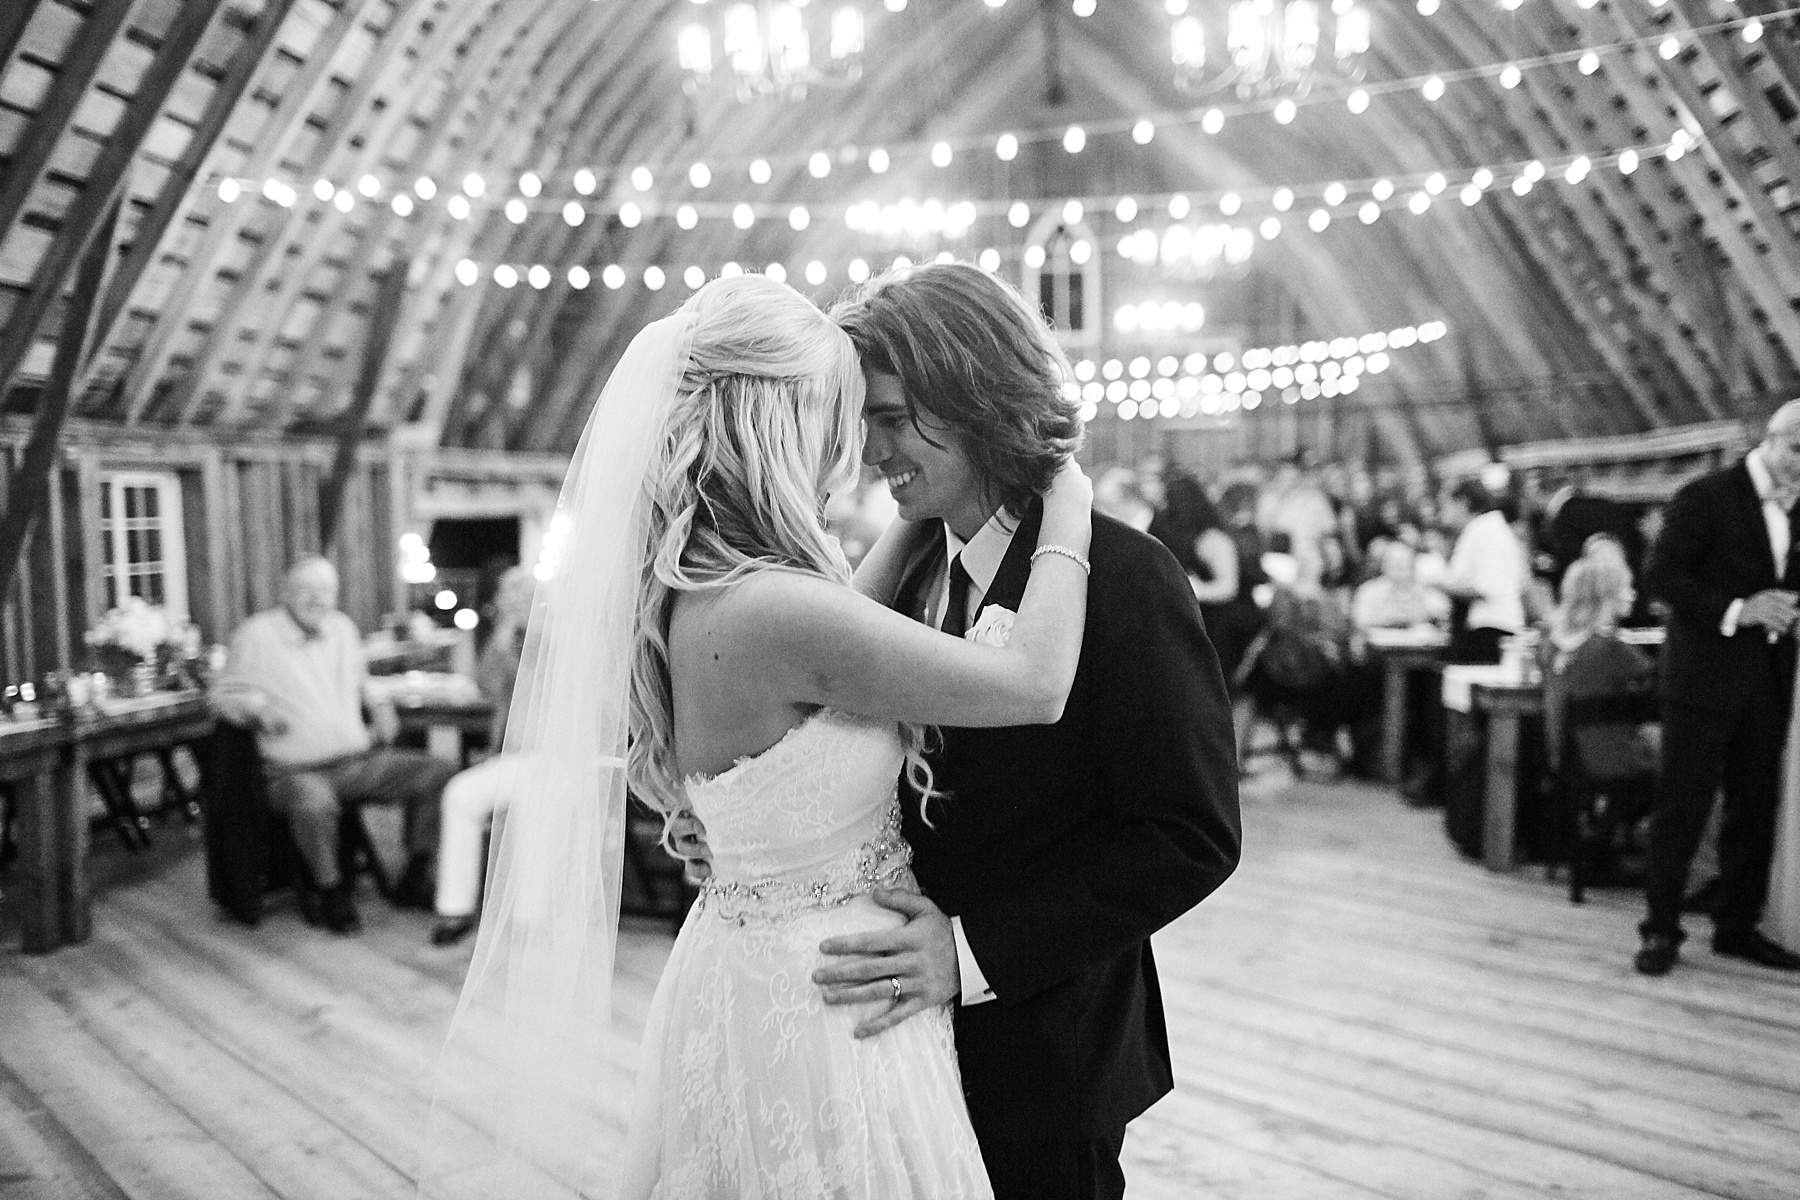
884	861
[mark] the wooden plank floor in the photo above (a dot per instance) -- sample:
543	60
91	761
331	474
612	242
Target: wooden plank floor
1359	1013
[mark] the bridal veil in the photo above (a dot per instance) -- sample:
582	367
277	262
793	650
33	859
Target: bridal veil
527	1084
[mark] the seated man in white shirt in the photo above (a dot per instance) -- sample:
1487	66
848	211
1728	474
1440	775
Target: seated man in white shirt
1488	568
295	674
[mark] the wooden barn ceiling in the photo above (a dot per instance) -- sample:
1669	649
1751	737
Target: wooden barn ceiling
1619	304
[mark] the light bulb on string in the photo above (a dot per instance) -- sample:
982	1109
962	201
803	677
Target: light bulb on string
506	276
819	165
760	171
613	276
1521	186
1074	139
1084	8
516	212
743	216
687	216
1471	195
538	277
1179	206
1357	101
642	179
1382	190
629	214
1369	213
941	154
1285	111
989	260
1588	63
1072	213
473	186
402	204
573	214
369	186
585	182
1419	203
1034	257
776	271
579	278
699	175
1143	132
1126	210
1318	221
858	270
1482	179
798	218
530	186
1433	88
1670	47
1511	76
1753	30
1283	199
323	190
1006	148
1436	183
1229	203
816	273
1213	121
654	278
1018	214
1628	162
467	273
1335	194
878	161
344	201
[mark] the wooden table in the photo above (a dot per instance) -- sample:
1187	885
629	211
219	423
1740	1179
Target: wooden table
442	707
46	762
1400	652
1506	705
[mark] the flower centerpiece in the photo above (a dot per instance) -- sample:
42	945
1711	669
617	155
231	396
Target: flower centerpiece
142	645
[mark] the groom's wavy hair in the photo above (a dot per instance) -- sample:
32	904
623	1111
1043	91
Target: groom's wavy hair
969	350
766	421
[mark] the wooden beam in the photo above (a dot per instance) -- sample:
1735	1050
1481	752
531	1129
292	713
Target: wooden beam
356	150
462	94
28	491
14	17
381	329
177	191
226	221
73	78
100	194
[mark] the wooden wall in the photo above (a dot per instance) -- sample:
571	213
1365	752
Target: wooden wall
249	508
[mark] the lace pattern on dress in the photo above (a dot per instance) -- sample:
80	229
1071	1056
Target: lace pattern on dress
883	861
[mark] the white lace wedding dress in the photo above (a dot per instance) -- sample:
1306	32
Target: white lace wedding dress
749	1086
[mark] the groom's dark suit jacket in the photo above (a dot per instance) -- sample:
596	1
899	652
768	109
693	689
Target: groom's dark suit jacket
1064	847
1713	549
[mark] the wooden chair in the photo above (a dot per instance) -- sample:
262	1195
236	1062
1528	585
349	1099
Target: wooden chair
249	849
1597	807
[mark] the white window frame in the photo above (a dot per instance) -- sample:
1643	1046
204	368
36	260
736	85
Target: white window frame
168	522
1054	236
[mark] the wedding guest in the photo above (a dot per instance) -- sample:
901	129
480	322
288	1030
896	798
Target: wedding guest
1119	495
296	675
1395	599
472	798
1726	564
1487	569
1193	529
1587	659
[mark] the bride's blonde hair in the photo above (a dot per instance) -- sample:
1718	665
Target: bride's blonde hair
766	421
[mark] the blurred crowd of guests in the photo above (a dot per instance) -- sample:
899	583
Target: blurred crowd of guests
1295	564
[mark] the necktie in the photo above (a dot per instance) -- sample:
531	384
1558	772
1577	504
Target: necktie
956	608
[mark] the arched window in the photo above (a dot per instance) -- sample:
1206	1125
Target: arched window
1062	276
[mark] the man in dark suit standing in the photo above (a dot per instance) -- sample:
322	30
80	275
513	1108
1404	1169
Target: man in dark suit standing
1056	850
1727	564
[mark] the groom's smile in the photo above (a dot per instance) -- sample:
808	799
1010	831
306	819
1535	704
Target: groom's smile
923	464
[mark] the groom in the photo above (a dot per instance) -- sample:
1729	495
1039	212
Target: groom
1057	850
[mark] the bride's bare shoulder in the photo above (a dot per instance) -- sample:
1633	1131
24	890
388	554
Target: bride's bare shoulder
766	603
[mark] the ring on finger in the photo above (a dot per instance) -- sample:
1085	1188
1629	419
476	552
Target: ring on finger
894	982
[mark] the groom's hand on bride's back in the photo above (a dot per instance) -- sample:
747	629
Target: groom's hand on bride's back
686	839
921	954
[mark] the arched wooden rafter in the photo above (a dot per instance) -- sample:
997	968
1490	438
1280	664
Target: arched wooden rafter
1626	302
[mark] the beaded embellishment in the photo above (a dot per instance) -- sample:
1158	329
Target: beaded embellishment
883	861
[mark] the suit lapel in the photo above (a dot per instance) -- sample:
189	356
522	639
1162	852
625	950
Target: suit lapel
1008	589
927	564
1752	518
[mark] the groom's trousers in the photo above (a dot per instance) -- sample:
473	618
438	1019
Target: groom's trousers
1703	750
1053	1170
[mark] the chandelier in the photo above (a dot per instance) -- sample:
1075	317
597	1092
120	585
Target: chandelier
770	49
1272	47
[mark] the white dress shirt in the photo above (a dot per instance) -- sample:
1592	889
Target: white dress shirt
981	558
1775	518
312	682
1489	561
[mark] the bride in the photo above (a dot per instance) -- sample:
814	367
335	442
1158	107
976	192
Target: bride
702	641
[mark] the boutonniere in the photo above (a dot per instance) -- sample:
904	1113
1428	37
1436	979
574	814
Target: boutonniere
993	627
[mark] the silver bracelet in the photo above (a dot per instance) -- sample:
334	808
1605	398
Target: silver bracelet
1053	548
